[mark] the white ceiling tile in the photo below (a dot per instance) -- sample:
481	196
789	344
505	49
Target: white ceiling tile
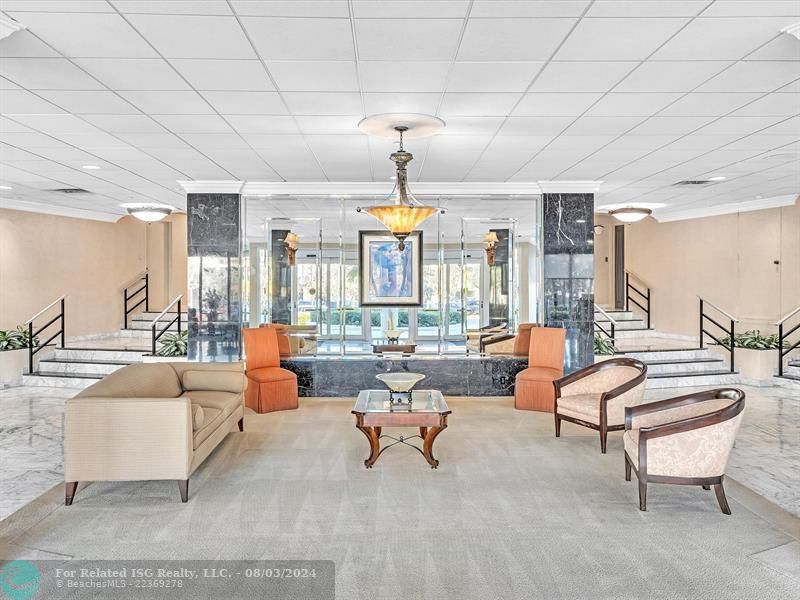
30	140
754	76
467	105
617	39
720	39
168	103
535	125
177	7
314	76
125	123
603	125
421	9
46	74
579	145
492	76
301	39
581	76
419	39
62	123
224	75
658	126
670	76
89	102
784	47
781	104
210	142
323	103
179	36
291	8
650	8
88	34
193	123
632	104
22	101
56	5
25	44
328	124
700	105
547	104
472	125
403	76
528	8
512	39
376	103
133	74
753	8
246	103
265	123
739	125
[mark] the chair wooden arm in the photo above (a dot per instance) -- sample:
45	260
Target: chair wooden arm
606	364
642	409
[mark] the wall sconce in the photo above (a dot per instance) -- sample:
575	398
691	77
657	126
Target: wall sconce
491	241
291	241
599	229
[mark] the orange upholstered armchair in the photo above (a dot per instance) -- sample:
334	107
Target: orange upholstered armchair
534	386
269	388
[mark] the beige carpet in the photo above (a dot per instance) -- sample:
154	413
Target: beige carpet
511	512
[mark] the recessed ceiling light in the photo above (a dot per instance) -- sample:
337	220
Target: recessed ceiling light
91	167
717	178
6	187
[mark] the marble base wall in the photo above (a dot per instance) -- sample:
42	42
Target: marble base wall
568	222
345	377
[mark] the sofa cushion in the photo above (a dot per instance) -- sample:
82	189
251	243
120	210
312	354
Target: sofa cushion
222	401
269	374
140	380
587	405
198	416
216	381
214	418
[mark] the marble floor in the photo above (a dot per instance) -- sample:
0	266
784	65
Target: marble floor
766	457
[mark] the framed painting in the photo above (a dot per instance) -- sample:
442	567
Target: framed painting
389	276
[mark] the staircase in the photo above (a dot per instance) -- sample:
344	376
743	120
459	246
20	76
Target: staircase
627	324
684	367
140	324
78	367
791	371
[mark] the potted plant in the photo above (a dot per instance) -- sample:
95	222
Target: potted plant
14	345
172	348
756	355
603	347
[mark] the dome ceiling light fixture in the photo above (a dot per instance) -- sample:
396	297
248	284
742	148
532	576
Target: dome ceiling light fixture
630	214
404	212
149	213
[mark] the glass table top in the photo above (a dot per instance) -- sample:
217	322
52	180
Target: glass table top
377	401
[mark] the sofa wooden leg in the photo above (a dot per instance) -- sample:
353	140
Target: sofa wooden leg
723	501
642	495
70	488
558	425
241	424
706	487
627	469
603	440
183	486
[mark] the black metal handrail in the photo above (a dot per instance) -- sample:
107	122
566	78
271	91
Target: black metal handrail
730	333
612	334
157	333
130	296
32	334
646	297
784	344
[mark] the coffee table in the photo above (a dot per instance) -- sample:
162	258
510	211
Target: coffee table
427	410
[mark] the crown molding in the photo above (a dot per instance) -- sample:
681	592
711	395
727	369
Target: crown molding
570	187
61	211
682	214
212	187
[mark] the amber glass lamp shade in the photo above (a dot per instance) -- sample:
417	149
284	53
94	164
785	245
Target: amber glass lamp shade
401	219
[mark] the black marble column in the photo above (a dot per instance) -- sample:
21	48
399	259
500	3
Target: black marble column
215	298
281	288
569	273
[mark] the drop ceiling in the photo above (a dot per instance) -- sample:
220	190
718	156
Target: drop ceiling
639	94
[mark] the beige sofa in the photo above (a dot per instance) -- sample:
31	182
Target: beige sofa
151	421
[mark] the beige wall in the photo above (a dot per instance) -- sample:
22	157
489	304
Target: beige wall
604	261
728	260
45	256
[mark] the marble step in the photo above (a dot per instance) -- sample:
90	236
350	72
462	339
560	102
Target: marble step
692	379
787	381
792	369
147	326
630	332
60	381
617	315
684	365
656	354
126	354
149	316
623	324
79	367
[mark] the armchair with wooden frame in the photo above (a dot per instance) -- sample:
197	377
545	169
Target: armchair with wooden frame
685	440
596	396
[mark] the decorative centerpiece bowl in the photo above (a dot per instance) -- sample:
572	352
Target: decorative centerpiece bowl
400	385
393	335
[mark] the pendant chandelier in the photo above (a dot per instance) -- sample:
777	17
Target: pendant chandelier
405	212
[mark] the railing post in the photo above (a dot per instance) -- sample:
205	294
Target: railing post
179	318
125	306
701	323
613	333
30	348
627	293
154	340
147	292
648	308
63	326
780	350
733	344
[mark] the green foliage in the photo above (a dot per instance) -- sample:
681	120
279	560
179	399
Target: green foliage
15	339
173	344
603	346
753	340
